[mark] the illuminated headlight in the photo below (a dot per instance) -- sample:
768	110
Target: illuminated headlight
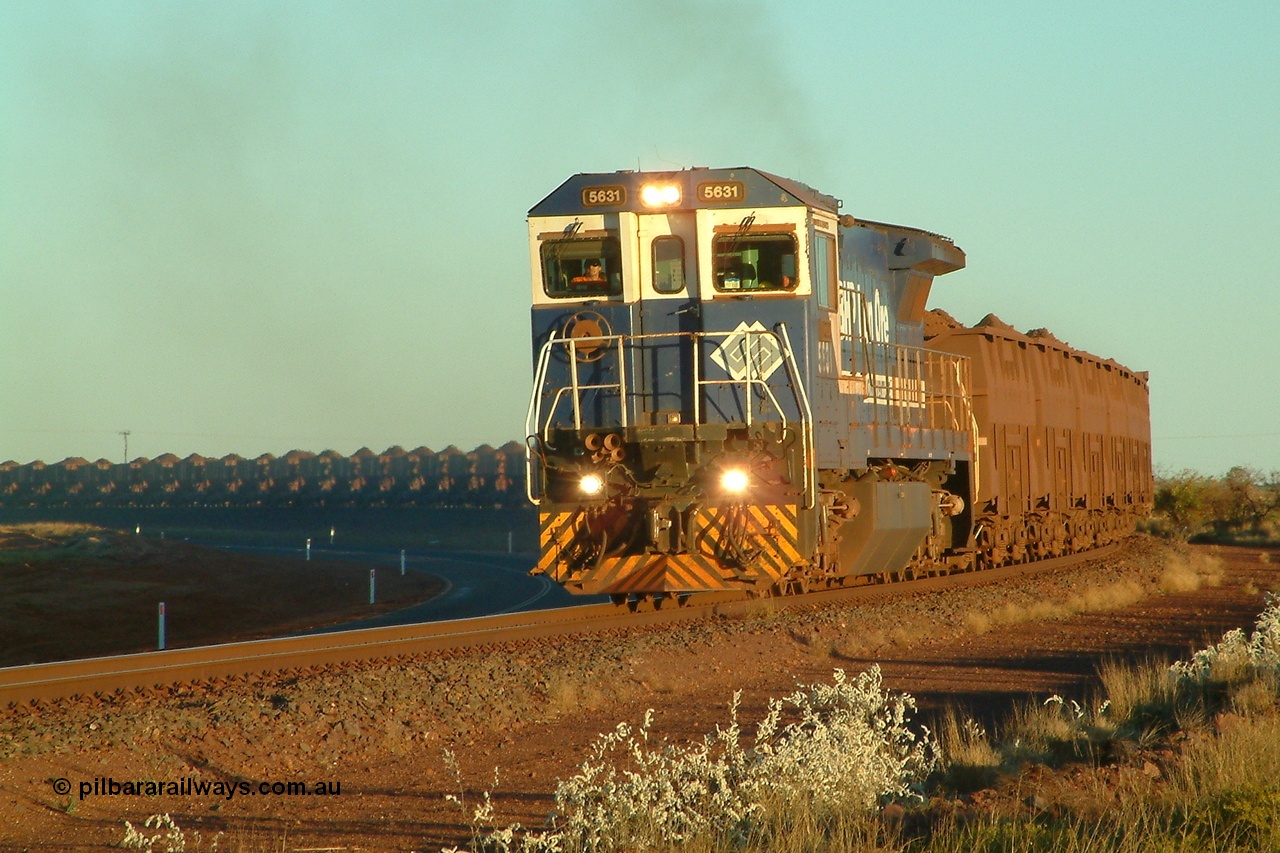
659	195
734	481
591	484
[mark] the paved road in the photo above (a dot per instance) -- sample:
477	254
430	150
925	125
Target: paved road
476	584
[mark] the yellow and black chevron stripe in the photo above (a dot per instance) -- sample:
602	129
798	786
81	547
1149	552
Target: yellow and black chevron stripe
643	573
733	547
557	531
761	541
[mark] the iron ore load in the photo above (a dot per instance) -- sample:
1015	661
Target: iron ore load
738	387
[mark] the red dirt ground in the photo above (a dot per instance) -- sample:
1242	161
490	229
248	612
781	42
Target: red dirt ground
530	711
71	592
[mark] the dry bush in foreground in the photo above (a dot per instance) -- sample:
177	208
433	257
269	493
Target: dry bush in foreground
837	747
812	784
1213	721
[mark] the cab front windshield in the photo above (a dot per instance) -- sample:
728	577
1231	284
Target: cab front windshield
581	267
755	262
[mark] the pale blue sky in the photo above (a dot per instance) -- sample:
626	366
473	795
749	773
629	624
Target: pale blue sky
255	227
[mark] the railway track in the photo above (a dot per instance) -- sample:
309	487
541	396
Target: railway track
107	675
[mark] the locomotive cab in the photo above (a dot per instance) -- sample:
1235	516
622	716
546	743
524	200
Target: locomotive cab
731	391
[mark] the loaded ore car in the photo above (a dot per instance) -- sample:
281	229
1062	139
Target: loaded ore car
733	391
1064	460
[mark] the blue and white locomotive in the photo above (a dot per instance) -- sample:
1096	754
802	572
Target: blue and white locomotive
731	390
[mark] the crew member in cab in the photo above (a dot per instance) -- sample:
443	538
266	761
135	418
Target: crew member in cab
594	273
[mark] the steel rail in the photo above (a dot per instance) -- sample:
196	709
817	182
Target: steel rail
105	675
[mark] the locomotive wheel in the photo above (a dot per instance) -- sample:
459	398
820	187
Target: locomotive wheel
1035	544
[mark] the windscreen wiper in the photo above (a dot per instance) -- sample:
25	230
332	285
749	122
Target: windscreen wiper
743	227
568	234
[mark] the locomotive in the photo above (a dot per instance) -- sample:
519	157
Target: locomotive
739	387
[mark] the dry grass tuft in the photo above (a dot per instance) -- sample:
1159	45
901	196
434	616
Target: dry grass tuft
1043	730
1243	755
764	610
1137	695
1255	696
846	648
904	636
656	679
1191	572
50	529
1113	596
808	638
971	760
566	696
857	647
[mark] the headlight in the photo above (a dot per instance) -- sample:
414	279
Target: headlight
591	484
734	480
660	195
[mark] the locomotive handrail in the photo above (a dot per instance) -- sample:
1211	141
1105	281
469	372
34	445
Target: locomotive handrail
973	422
904	389
531	422
535	423
747	381
806	422
751	383
621	384
539	376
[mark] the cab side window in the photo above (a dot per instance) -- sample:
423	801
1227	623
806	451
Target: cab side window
824	270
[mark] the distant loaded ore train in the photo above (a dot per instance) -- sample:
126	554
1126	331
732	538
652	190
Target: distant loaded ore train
737	386
485	476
